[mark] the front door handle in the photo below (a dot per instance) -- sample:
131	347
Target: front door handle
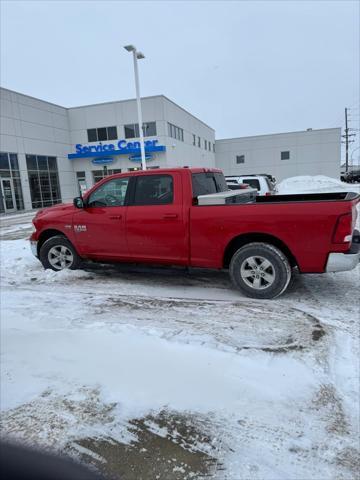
115	217
170	215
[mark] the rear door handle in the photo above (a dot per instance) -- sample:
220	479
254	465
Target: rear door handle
115	217
170	215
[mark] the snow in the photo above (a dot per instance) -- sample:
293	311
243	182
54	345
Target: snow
273	384
315	184
146	372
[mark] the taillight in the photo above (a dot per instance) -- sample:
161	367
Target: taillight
268	194
343	229
354	216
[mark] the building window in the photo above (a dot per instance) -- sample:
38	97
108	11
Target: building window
98	175
9	169
285	155
214	147
81	181
92	135
205	144
149	129
199	142
80	175
102	134
240	158
194	140
176	132
43	180
105	172
132	130
112	133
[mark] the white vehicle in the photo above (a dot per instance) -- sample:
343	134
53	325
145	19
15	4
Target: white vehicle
262	183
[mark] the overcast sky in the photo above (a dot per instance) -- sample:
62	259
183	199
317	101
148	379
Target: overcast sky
245	68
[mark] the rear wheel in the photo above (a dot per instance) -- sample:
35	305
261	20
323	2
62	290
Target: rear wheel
260	270
57	253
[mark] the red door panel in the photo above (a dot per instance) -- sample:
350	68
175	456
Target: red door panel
101	232
155	227
99	227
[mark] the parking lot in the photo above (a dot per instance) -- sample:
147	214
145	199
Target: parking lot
119	366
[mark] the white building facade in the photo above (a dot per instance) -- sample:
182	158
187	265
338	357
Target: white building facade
283	155
49	153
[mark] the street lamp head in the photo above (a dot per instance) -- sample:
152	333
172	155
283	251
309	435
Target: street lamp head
129	48
140	55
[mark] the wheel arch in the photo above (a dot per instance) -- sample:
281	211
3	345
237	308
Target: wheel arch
241	240
46	234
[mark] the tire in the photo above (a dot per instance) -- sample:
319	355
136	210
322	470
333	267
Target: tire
57	253
260	270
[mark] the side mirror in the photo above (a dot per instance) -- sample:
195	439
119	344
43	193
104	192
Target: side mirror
78	202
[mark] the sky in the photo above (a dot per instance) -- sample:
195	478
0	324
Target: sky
244	68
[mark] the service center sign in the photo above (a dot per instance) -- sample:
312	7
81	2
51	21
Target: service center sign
122	147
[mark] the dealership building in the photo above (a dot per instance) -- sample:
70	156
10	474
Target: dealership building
49	153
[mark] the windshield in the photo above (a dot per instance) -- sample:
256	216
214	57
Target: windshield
253	182
270	184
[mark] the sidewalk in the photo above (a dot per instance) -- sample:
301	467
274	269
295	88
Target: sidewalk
17	225
9	219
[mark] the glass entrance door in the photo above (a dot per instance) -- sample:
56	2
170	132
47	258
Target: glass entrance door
7	194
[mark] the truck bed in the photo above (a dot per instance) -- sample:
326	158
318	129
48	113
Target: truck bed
308	197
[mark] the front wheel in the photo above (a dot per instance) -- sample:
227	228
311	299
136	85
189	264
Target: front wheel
57	253
260	270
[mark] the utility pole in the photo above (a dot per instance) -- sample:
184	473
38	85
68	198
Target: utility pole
347	141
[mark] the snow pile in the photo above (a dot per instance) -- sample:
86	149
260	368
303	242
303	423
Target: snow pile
19	266
315	184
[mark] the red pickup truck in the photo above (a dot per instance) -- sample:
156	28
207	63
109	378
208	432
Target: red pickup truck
188	216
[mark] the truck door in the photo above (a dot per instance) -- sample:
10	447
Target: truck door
155	221
99	227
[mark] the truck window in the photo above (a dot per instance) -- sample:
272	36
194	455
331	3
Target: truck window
109	194
208	182
253	182
221	184
154	190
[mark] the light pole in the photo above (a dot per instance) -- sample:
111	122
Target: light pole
138	56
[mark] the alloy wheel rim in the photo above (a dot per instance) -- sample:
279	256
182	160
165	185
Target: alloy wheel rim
60	257
257	272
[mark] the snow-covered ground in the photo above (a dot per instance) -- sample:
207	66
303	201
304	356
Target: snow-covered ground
315	184
253	390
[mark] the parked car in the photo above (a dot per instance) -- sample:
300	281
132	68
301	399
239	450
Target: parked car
189	217
262	183
353	176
